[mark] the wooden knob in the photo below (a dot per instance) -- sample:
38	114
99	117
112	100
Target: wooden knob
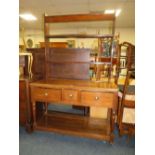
96	98
46	94
70	95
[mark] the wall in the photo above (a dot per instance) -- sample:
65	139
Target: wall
126	34
36	35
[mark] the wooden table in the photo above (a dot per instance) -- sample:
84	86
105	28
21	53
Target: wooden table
75	92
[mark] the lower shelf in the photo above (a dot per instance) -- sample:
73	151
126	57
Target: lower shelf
77	125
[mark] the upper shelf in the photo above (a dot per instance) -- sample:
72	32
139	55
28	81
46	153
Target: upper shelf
79	17
78	36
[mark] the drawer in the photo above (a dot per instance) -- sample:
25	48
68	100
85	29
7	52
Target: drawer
46	94
98	99
70	96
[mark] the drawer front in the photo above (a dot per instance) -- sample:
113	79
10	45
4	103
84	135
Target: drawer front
45	94
98	99
70	96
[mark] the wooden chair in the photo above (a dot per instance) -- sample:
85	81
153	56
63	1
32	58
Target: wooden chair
126	94
92	69
103	67
126	123
107	60
125	59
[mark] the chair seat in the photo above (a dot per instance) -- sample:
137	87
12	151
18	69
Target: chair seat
128	115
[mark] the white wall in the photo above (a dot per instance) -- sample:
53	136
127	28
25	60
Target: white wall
36	35
126	34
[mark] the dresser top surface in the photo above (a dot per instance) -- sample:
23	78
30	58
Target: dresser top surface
76	84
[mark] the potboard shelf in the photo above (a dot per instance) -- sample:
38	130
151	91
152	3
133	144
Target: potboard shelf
77	125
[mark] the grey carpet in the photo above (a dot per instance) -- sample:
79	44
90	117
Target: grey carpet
48	143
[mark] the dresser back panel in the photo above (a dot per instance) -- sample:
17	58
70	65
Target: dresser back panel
68	63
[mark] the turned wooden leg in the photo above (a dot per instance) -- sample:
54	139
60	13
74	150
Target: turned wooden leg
28	110
111	138
34	114
46	107
120	121
118	111
28	127
98	73
86	111
112	114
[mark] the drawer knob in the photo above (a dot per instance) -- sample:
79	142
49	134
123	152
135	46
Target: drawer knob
70	95
96	98
46	94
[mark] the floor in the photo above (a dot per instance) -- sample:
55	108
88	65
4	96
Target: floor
48	143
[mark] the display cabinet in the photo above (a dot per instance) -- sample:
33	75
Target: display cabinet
67	82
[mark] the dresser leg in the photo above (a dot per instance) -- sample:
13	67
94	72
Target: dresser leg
111	139
46	107
34	114
86	111
112	114
29	128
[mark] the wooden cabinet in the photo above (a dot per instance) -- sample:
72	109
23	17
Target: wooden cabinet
22	102
67	81
25	113
31	65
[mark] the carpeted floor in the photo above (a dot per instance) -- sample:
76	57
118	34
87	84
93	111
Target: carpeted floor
47	143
